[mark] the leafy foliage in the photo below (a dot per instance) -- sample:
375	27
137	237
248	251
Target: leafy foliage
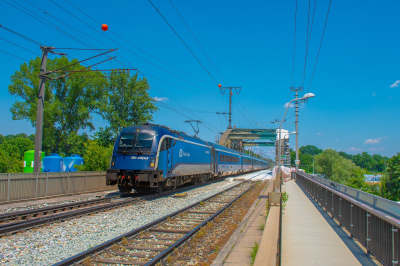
392	180
310	150
12	150
331	164
126	101
96	157
69	102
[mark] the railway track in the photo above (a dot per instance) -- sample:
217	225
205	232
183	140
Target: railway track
154	241
21	221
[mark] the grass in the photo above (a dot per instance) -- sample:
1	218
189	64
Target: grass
262	226
253	252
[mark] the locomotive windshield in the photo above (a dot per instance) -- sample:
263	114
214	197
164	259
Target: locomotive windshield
135	143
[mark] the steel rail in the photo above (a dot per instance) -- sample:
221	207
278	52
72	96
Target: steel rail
51	209
21	226
106	245
181	241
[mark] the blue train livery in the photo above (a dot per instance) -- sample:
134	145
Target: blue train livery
152	157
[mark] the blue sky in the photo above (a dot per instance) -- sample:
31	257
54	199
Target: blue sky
251	44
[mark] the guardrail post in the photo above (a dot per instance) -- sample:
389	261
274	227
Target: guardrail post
47	182
8	187
340	211
395	259
332	205
368	239
351	221
37	179
326	203
67	182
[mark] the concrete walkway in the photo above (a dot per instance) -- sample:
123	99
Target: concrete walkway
307	238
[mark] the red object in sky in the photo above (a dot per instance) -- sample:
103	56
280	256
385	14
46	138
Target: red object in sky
219	85
104	27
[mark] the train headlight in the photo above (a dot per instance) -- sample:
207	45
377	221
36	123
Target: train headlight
113	161
152	162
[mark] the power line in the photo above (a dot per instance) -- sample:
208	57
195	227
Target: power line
182	41
308	43
138	47
197	41
320	44
128	48
22	36
20	46
175	106
13	55
187	109
294	40
47	24
178	85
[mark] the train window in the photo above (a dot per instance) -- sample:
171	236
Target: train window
246	161
228	159
166	144
135	142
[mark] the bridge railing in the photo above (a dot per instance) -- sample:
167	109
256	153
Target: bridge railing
22	186
390	207
358	213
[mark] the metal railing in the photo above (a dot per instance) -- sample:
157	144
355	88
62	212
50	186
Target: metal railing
378	203
21	186
376	230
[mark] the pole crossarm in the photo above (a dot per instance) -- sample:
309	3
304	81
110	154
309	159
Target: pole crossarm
262	144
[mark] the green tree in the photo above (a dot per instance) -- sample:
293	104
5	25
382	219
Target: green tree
363	160
310	150
105	137
69	102
127	101
393	180
337	168
96	157
345	155
12	153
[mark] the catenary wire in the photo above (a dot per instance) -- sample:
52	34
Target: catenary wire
320	44
308	44
20	46
183	41
197	41
294	40
138	47
14	55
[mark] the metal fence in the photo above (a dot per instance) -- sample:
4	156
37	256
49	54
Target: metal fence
20	186
376	230
390	207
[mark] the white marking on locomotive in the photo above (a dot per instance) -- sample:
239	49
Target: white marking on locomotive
182	153
139	158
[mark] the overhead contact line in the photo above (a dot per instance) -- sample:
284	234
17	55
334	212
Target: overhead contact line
320	44
20	46
307	43
139	48
197	41
166	21
13	55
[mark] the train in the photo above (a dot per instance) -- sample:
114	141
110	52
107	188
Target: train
150	157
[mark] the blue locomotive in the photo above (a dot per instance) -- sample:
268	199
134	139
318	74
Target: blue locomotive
153	157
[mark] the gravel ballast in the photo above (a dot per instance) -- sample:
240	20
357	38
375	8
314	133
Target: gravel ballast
48	245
